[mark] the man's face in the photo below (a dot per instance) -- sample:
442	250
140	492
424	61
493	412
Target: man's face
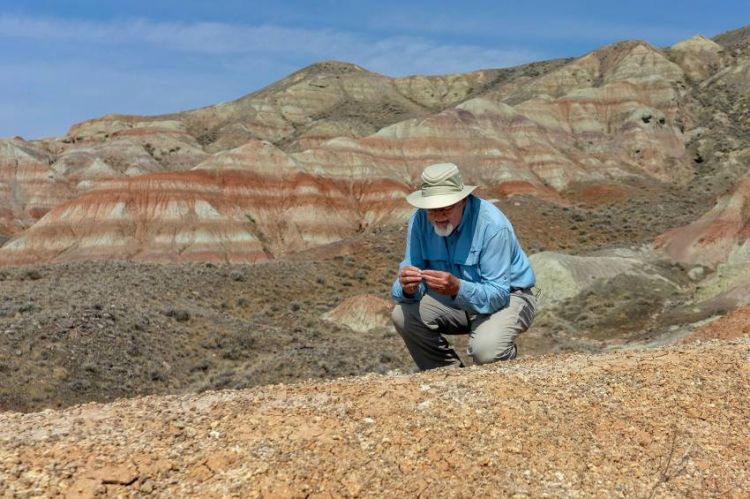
445	220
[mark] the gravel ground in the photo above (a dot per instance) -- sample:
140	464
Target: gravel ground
671	422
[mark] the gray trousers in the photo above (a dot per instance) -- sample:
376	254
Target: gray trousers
492	336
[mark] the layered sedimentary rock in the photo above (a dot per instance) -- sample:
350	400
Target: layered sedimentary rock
159	217
545	143
244	205
602	116
720	242
132	146
28	185
632	61
317	103
333	148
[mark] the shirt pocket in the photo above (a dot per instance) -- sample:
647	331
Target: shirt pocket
471	259
470	265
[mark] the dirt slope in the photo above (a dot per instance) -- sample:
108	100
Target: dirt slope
669	422
735	324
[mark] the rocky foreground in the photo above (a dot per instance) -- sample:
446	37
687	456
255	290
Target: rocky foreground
666	422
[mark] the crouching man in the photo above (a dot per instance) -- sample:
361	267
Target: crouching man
463	272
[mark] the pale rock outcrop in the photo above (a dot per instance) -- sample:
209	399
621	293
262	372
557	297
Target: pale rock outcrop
633	61
435	92
729	284
561	276
83	167
361	313
698	56
643	62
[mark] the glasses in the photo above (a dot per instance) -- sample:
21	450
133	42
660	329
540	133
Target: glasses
443	211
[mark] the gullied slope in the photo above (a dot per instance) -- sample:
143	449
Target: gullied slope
711	240
623	119
735	324
667	422
244	205
615	114
325	100
28	189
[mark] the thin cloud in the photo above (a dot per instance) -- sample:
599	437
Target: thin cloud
394	55
148	67
408	55
534	30
42	100
201	37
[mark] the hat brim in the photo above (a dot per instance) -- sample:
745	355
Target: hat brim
417	200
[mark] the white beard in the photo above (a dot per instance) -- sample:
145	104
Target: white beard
444	231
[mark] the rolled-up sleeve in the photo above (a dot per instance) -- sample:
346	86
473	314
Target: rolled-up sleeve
412	256
492	291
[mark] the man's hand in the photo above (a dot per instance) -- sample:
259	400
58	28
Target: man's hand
444	283
409	277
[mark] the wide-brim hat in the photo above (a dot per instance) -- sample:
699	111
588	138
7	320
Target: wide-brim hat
442	185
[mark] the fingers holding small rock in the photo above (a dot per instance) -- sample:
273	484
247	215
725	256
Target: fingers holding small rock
443	282
410	277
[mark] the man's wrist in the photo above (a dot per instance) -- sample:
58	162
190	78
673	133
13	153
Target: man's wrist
456	287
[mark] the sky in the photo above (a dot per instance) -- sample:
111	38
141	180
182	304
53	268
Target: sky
62	62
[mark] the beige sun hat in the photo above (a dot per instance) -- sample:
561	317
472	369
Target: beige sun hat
442	185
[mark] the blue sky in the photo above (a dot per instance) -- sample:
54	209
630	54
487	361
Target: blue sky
62	62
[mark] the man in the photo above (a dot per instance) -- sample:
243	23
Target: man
463	272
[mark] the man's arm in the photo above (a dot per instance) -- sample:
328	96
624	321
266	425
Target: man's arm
492	292
409	274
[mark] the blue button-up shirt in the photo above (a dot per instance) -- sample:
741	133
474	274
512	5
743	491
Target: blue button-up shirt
483	252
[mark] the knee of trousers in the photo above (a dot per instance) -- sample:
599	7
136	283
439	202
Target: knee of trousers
488	352
405	317
398	317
